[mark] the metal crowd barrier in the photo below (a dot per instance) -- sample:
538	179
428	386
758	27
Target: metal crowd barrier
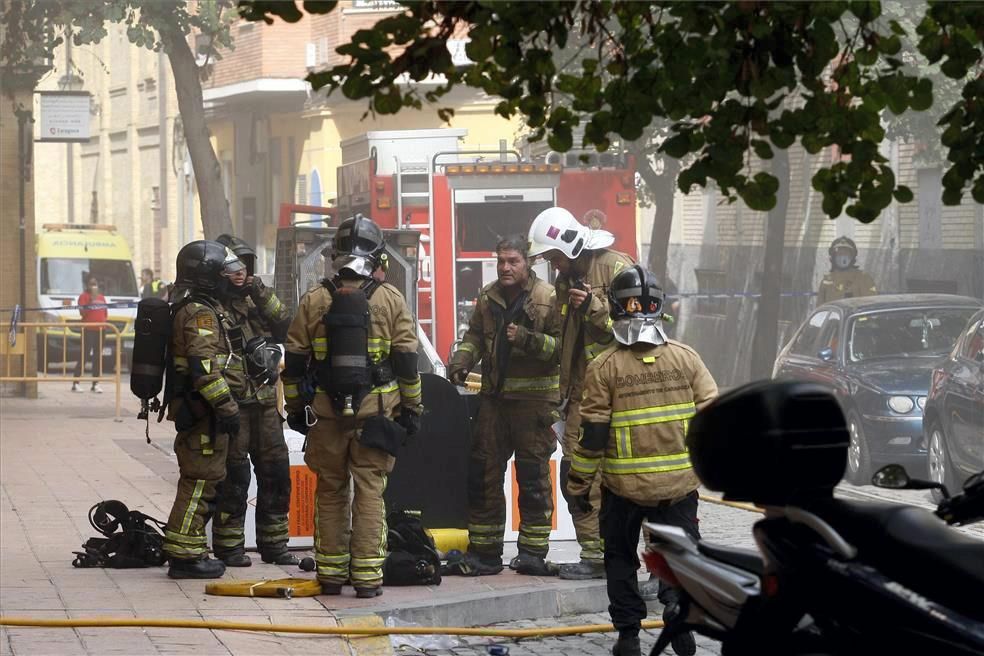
15	347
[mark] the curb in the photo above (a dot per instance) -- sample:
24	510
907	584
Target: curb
496	606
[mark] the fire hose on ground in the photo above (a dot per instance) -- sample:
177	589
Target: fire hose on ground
117	622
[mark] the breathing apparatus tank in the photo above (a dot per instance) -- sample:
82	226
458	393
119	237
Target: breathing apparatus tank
345	374
152	333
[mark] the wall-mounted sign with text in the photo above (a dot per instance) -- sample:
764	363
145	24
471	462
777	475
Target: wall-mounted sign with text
64	116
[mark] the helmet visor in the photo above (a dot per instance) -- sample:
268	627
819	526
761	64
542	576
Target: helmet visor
360	266
232	266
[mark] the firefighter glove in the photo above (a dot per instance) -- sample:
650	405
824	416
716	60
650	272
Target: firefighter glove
256	288
409	419
297	422
228	424
518	335
458	376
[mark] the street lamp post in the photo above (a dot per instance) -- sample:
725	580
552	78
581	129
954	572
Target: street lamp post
69	82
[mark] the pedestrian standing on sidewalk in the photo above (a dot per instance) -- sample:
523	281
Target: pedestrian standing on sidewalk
639	396
514	331
90	348
254	312
585	267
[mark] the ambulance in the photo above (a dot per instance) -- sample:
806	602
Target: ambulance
67	254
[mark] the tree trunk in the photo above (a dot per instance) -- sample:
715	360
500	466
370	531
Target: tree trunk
766	337
208	176
663	187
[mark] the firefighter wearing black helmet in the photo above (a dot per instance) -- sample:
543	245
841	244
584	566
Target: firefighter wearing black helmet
255	312
845	279
358	338
639	395
202	405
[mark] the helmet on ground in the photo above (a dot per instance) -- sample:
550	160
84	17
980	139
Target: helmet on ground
843	253
635	304
556	229
202	265
243	251
359	246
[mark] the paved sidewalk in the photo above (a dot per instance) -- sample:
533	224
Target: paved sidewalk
62	453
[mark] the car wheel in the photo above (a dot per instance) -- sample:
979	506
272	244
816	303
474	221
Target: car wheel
858	458
938	461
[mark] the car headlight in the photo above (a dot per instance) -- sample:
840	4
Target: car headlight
922	402
901	404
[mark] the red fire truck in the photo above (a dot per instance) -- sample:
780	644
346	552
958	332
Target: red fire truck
461	201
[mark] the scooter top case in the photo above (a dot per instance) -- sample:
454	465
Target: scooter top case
431	471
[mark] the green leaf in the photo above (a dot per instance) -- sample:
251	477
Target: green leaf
922	95
676	146
903	194
952	196
762	149
758	196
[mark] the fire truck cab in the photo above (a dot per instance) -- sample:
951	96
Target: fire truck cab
462	201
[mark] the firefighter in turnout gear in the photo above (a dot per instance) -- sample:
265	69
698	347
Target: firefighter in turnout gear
202	405
514	331
639	396
586	267
845	279
360	340
258	322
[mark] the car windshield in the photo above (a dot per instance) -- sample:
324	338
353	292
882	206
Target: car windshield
68	276
906	333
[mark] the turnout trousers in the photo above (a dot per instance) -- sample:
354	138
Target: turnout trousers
260	440
621	521
202	466
350	529
507	427
585	523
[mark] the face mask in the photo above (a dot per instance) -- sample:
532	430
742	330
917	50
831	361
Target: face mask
842	261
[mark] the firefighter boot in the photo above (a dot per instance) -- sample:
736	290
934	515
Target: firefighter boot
280	558
627	645
531	565
198	568
235	559
583	570
368	593
332	589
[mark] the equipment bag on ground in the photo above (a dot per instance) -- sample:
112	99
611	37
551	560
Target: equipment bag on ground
413	558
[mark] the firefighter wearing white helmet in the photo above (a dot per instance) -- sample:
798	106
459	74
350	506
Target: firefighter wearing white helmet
586	266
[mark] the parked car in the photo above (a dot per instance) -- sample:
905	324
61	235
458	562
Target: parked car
877	353
953	421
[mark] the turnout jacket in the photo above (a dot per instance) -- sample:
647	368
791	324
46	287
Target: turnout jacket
845	284
586	331
259	314
526	370
201	351
392	335
636	407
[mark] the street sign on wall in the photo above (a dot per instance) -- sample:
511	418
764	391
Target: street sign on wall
63	116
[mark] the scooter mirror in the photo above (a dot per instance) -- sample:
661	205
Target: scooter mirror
891	476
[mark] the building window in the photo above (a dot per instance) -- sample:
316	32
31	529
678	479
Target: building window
300	190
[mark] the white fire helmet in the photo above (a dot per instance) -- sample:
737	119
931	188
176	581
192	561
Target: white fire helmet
557	229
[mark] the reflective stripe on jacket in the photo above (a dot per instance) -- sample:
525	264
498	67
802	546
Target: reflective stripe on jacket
646	395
